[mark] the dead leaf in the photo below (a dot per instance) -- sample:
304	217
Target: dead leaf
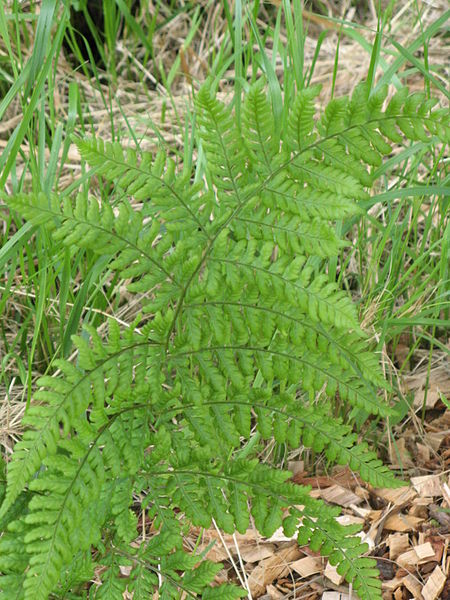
273	593
342	476
432	384
399	455
398	594
423	453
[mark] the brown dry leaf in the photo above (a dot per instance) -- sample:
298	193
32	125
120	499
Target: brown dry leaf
435	439
305	567
398	594
428	485
399	455
273	593
433	395
217	553
402	350
401	522
272	568
423	453
442	423
398	544
434	585
342	476
438	383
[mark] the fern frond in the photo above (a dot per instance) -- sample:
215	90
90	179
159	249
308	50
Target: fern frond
59	527
242	331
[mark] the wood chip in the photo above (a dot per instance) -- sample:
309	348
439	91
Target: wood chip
420	506
332	574
446	493
429	485
401	522
364	513
434	585
418	555
305	567
279	536
349	520
335	596
391	585
399	497
424	551
336	494
413	585
272	568
296	466
398	544
408	559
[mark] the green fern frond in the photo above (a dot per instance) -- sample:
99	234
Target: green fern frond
242	331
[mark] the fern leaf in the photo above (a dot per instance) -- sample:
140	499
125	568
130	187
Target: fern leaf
241	332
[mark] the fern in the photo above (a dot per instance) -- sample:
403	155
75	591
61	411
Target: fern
239	328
